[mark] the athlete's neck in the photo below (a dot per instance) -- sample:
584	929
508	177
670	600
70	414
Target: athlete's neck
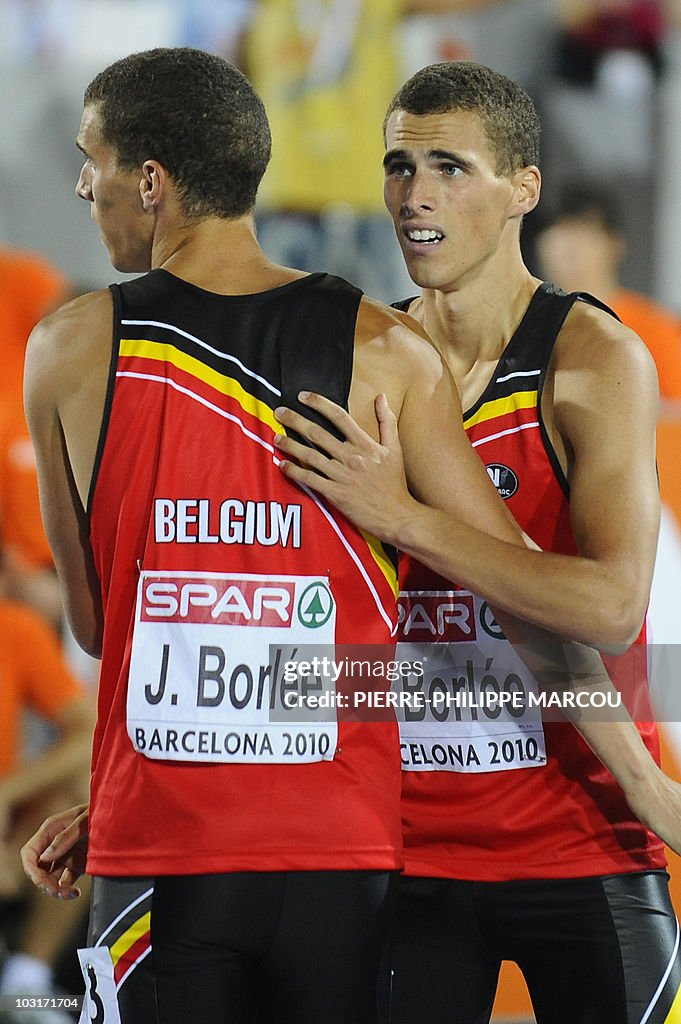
220	255
473	324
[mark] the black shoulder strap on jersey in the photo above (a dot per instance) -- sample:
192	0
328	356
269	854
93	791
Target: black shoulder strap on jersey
320	345
551	308
536	335
404	304
106	413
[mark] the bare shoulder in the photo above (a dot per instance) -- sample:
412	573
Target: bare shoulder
73	327
69	345
601	376
398	341
375	319
395	357
604	348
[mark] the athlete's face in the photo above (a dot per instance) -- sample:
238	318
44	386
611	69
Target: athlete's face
114	197
450	208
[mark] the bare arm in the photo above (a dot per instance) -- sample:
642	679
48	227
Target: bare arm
652	796
368	481
65	383
605	411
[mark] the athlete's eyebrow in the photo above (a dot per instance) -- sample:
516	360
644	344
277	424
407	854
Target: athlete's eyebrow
396	154
446	154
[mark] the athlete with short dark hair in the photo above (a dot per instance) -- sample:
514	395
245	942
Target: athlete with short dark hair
227	842
519	844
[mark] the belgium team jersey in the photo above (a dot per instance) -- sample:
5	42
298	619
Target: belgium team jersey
495	791
218	576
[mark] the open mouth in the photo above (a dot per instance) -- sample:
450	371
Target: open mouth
426	236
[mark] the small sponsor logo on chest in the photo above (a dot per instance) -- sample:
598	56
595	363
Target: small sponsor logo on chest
503	478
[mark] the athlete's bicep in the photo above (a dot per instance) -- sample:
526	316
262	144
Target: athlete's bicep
442	468
606	411
61	507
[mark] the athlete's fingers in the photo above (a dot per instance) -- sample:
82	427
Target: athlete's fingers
387	422
312	432
304	455
68	890
46	878
64	841
307	478
60	836
57	878
35	864
59	883
340	418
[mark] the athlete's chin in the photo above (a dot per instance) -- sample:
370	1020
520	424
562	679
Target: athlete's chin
127	264
425	275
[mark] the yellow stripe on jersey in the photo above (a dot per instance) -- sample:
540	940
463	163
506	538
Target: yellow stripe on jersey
130	937
382	561
140	348
674	1015
501	406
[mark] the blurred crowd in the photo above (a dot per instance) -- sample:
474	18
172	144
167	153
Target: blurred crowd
326	70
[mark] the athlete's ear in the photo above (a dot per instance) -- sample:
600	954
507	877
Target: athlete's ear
153	183
527	187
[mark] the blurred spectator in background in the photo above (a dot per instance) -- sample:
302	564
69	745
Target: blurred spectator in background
601	109
216	26
326	70
34	677
595	29
39	28
29	288
580	245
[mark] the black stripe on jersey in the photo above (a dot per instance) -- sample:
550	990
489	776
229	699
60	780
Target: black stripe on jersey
299	336
104	426
531	347
562	303
215	360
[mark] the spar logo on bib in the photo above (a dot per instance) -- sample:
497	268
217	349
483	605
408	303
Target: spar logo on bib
503	478
436	616
220	601
315	606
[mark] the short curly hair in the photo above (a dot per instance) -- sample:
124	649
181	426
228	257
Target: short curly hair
196	114
507	113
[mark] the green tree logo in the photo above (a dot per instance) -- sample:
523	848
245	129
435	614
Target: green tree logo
315	606
489	623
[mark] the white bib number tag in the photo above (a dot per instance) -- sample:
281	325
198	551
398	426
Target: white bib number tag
100	1005
474	708
207	669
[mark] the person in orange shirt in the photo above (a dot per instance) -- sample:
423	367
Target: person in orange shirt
580	247
34	677
30	287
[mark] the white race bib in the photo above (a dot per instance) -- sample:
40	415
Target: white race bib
471	709
100	1005
207	680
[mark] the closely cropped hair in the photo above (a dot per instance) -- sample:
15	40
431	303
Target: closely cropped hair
507	113
197	115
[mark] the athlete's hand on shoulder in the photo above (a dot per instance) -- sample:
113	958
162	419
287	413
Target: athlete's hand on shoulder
363	478
54	858
656	801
